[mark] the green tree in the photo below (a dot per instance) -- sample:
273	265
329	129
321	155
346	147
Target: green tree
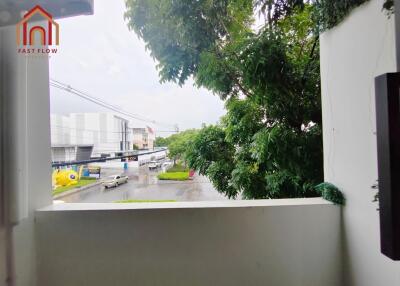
269	144
210	154
161	142
178	32
178	144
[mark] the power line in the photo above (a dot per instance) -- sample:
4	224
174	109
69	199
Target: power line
93	99
86	96
103	131
88	138
88	130
84	162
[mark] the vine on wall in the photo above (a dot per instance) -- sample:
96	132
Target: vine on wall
331	12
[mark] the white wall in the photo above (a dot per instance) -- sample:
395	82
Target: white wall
274	243
352	54
27	145
63	153
103	130
60	129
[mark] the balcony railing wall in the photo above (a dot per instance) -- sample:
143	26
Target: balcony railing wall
277	242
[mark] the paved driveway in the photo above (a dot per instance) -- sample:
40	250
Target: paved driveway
144	185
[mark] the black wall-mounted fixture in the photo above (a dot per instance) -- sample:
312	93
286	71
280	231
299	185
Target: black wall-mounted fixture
387	96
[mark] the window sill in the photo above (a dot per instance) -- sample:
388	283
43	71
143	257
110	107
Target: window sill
184	205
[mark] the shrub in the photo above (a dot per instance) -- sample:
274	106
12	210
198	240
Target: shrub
176	176
88	178
177	168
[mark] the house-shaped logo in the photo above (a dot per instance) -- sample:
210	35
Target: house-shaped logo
30	33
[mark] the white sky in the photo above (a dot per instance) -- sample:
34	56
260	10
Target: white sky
99	55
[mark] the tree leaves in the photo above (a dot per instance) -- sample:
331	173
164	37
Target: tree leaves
177	143
178	32
269	144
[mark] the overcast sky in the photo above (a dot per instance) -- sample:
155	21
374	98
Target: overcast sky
99	55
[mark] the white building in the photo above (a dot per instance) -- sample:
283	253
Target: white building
60	129
62	147
143	137
107	132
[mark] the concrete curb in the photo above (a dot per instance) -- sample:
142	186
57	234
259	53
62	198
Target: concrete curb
74	191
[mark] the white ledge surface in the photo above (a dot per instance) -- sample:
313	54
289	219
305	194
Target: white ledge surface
184	205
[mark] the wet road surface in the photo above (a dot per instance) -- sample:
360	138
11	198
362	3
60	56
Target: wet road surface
144	185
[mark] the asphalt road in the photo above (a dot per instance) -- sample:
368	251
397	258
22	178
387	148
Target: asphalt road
144	185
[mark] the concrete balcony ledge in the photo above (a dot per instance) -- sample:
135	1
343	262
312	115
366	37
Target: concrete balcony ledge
184	205
289	242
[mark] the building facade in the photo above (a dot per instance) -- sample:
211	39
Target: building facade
143	138
69	152
106	132
62	147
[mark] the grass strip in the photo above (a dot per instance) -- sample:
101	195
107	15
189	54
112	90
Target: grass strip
144	201
176	176
177	168
81	183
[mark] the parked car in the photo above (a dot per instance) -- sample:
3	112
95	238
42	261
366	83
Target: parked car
167	164
154	165
114	181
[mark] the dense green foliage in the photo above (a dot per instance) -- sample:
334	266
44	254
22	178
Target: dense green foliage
177	32
269	144
161	142
211	155
178	143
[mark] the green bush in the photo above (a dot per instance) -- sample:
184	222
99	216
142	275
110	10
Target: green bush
176	176
88	178
177	168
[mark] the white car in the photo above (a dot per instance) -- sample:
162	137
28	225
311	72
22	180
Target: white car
114	181
167	164
154	165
